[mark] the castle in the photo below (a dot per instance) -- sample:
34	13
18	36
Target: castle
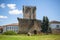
29	23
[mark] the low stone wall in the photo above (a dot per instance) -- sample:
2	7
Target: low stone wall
55	31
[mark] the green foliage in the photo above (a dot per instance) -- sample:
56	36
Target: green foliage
45	24
9	33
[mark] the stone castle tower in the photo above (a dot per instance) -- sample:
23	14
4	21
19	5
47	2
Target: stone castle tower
29	12
29	23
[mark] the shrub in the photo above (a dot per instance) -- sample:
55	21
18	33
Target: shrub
9	33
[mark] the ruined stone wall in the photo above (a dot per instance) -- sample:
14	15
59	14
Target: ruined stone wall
29	12
36	27
26	25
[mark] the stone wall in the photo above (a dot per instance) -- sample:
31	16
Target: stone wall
29	25
29	12
55	31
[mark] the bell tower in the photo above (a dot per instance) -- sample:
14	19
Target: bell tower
29	12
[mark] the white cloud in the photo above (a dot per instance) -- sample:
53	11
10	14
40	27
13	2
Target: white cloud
15	11
11	6
2	5
3	16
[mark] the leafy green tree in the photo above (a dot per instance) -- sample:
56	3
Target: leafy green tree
45	24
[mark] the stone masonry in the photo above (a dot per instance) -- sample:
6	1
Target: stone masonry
29	23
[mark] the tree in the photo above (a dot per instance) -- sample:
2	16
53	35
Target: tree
45	24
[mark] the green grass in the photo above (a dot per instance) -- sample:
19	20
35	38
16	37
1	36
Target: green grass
25	37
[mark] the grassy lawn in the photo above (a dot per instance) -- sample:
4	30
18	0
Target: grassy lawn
25	37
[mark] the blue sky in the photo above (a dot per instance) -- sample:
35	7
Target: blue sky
11	9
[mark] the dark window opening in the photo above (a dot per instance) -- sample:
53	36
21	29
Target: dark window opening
57	26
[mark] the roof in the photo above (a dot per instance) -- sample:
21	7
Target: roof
1	28
13	24
55	22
